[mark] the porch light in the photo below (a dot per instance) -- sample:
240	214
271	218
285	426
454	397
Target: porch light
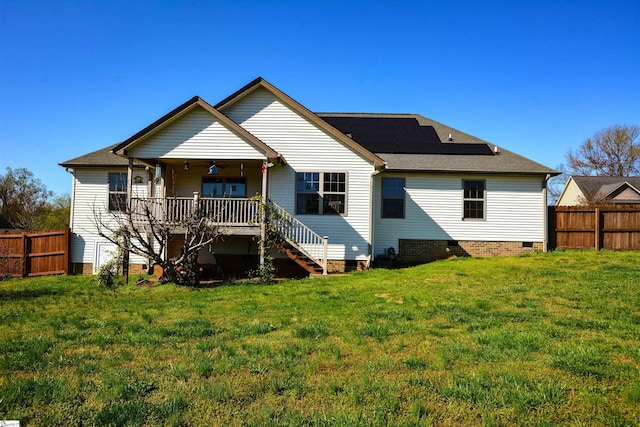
158	172
186	165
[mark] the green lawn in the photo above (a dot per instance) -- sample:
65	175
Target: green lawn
545	339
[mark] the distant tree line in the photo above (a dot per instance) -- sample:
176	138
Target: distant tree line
27	205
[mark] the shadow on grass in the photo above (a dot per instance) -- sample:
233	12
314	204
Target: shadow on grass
23	294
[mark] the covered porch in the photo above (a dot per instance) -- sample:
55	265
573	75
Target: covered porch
228	192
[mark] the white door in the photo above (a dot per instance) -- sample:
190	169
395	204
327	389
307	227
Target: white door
105	252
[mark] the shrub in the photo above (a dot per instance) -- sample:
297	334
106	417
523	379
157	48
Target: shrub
108	274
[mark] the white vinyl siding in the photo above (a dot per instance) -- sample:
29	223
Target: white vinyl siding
196	135
306	147
90	198
514	211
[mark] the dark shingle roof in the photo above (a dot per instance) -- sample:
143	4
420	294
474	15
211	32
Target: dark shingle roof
406	142
411	142
98	158
400	135
4	222
603	184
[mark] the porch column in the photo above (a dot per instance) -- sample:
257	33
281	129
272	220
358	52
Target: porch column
129	182
263	219
125	255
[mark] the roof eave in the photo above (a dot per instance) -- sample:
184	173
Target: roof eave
469	171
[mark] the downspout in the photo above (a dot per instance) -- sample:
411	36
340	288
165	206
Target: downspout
73	196
71	266
371	220
372	231
545	216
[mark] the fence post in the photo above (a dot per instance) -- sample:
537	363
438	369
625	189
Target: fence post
597	229
25	254
67	250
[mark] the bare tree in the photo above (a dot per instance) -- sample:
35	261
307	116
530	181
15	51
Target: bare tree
556	184
144	230
22	198
613	151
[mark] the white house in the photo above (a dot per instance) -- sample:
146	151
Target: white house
353	186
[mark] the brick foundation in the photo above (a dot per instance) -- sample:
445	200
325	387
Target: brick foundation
342	266
87	268
414	251
238	265
82	268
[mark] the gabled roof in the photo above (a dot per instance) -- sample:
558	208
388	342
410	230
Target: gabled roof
605	185
196	101
303	111
411	142
397	142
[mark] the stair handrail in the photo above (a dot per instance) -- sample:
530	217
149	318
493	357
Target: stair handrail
299	235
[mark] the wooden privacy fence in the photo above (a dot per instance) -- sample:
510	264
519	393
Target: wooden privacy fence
598	227
34	254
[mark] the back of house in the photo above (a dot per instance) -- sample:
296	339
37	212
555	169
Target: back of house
353	187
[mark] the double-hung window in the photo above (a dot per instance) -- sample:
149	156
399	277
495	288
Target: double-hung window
393	197
473	199
117	191
321	193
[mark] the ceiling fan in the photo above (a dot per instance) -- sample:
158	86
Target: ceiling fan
214	166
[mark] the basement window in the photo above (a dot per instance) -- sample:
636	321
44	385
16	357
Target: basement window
527	244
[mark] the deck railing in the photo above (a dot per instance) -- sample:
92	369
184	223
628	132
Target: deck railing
297	234
223	211
235	212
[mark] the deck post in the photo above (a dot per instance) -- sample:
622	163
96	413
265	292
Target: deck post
263	210
325	251
196	201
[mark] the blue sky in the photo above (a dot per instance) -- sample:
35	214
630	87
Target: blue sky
535	77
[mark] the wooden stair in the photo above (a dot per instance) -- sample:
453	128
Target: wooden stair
300	243
299	258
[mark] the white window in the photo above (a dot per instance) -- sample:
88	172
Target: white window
117	191
473	199
321	193
393	197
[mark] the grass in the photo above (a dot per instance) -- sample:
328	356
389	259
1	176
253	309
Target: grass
545	339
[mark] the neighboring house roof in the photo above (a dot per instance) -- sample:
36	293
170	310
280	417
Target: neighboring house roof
602	187
194	102
594	184
303	111
4	223
411	142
